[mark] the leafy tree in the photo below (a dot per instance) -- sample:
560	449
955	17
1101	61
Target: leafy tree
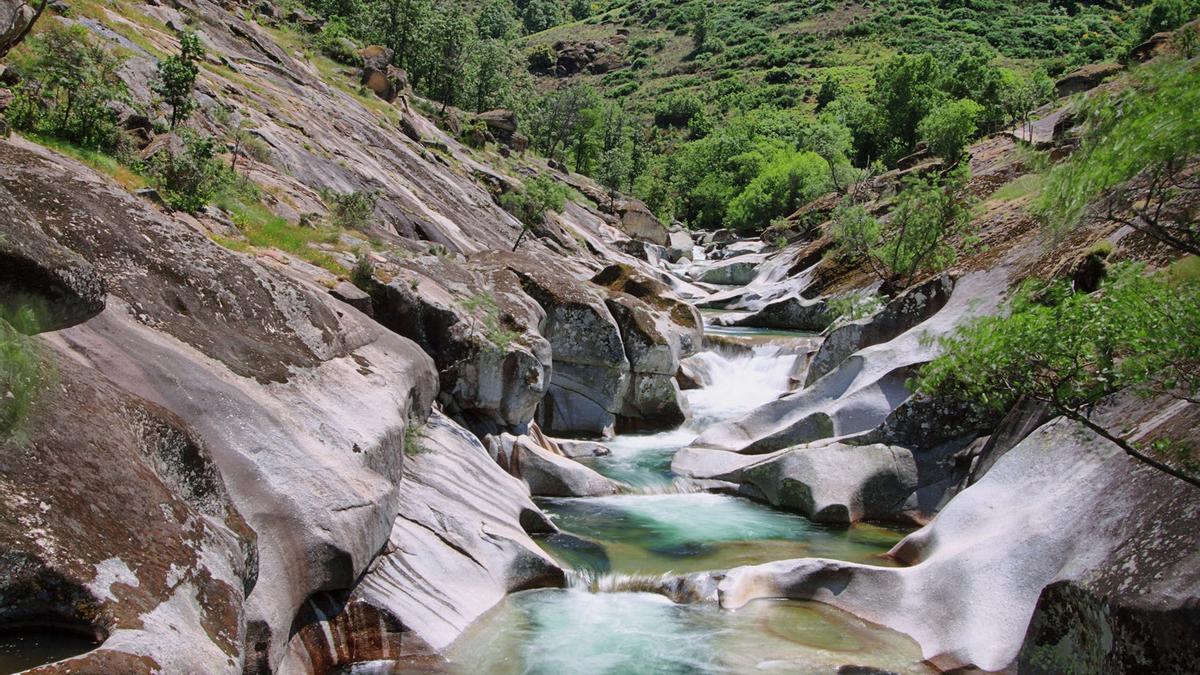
398	24
530	205
831	89
677	109
928	218
496	21
616	149
68	82
1073	350
1132	165
557	119
832	141
972	76
1166	15
187	178
176	77
538	15
581	9
490	67
949	127
1020	96
905	91
702	27
448	43
789	181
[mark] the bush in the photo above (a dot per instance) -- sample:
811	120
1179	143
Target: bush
529	205
68	85
677	109
188	175
1071	351
790	181
351	210
950	127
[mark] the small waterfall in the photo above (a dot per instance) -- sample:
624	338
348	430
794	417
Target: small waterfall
739	382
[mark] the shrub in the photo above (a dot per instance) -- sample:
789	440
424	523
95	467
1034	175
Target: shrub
68	85
677	109
790	181
529	205
176	77
1071	351
949	127
351	210
188	175
21	377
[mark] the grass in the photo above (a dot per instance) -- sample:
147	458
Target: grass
264	229
1025	186
414	440
22	378
105	164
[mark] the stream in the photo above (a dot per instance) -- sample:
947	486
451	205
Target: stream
671	528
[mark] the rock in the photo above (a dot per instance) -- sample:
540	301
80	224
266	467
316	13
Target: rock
898	316
837	483
581	449
301	405
376	57
493	371
653	401
409	129
547	474
308	22
59	286
639	222
500	122
1122	577
354	296
15	19
694	372
791	313
1085	78
594	56
459	544
115	514
679	246
6	99
1153	46
736	272
591	372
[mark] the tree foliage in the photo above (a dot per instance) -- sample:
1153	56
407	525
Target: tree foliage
176	77
1134	157
949	127
1073	350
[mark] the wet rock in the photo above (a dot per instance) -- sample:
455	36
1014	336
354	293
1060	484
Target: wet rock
1123	577
546	473
791	313
836	483
694	373
898	316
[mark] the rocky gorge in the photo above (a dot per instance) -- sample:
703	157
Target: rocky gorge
621	447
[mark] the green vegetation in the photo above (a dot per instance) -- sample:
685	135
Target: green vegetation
176	77
22	374
189	176
1134	159
486	320
530	204
414	439
264	229
948	128
351	210
853	307
1070	351
929	220
68	85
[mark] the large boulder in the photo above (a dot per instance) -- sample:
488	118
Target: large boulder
113	518
837	483
737	271
898	316
1085	78
791	313
459	544
546	471
481	331
301	401
591	370
639	222
38	274
16	18
379	75
1068	551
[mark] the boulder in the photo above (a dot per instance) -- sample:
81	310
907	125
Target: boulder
639	222
679	246
1085	78
58	286
354	296
591	372
997	577
738	271
16	18
480	330
899	315
653	401
308	22
837	483
694	372
379	75
459	544
547	473
791	313
114	515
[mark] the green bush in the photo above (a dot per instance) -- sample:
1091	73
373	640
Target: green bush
351	210
21	378
189	176
530	204
950	127
68	84
791	180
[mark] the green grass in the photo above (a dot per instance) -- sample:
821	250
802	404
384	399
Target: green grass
101	162
22	378
264	229
1028	185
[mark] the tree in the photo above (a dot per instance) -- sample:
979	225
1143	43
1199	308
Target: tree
538	15
496	21
616	149
68	82
949	127
490	67
1166	15
1020	96
188	177
929	216
581	9
398	25
530	205
448	44
905	91
1071	351
176	77
972	76
832	141
702	27
829	92
1132	166
556	119
790	180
